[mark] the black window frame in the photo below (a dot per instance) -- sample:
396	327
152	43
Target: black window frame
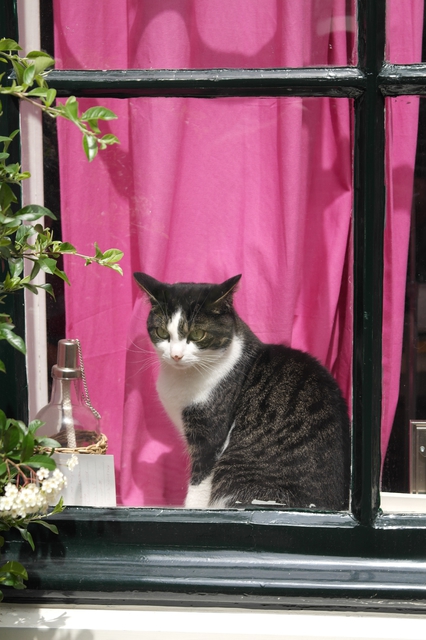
362	560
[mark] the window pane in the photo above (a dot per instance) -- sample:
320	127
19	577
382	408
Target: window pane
200	191
404	324
194	34
405	28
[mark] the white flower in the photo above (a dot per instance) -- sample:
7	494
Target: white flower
20	503
72	462
32	499
42	473
52	487
11	489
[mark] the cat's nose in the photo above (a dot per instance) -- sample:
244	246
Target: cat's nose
176	358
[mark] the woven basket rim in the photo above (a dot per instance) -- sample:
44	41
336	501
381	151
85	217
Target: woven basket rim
98	447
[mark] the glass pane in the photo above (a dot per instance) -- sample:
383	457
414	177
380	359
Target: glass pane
404	323
405	28
201	191
196	34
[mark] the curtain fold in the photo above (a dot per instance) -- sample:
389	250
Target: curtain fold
200	190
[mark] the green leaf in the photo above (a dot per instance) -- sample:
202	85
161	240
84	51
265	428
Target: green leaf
48	265
98	113
59	507
98	253
71	108
2	367
14	133
31	288
115	267
34	425
6	44
38	92
16	266
29	74
5	252
33	212
35	270
40	460
66	247
46	287
16	341
11	581
6	196
112	255
10	284
16	568
47	443
33	55
93	124
41	61
26	535
19	69
109	138
62	275
27	447
50	97
11	439
3	468
53	528
90	146
23	233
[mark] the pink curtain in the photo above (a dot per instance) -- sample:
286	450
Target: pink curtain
200	190
404	46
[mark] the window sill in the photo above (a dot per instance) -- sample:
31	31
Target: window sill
160	623
234	558
403	503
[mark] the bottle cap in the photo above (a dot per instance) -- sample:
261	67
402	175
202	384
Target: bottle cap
66	366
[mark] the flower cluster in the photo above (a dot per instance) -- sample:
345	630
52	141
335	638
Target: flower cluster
72	462
32	500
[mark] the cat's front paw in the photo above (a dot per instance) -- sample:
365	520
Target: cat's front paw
198	496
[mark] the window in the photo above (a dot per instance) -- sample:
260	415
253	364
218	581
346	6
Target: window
359	559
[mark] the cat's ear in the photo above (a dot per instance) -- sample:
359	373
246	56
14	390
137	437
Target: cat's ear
225	291
150	285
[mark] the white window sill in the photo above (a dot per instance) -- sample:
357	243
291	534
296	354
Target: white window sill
157	623
403	502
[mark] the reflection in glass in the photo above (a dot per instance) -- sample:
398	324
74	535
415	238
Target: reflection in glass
155	34
404	31
201	190
405	290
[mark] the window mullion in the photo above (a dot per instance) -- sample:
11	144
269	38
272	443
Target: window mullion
369	210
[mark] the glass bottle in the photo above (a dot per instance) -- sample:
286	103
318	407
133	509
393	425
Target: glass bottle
67	419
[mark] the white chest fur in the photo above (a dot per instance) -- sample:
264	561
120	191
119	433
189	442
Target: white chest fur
179	387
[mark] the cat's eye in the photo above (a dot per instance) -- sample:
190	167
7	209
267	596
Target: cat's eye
162	333
196	335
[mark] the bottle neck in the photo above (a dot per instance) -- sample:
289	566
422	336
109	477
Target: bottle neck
65	390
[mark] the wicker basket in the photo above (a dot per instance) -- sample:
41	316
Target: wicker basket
98	443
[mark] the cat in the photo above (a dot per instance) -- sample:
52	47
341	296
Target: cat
262	422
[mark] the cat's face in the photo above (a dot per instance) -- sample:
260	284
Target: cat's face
190	325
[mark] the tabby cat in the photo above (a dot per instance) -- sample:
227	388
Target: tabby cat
262	422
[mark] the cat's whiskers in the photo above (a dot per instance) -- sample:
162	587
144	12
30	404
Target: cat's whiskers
139	349
144	367
203	368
